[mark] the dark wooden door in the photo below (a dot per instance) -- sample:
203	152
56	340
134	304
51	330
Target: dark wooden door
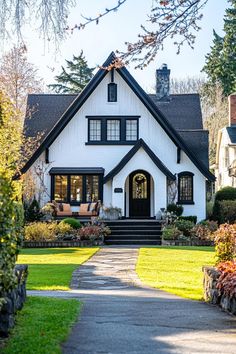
139	194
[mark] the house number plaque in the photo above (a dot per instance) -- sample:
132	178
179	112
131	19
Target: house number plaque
118	190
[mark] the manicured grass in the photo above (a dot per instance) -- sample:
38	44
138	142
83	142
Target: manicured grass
42	325
51	268
177	270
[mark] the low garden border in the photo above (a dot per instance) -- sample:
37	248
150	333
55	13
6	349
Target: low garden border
213	295
58	244
13	300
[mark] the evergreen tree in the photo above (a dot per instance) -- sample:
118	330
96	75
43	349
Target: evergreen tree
75	77
221	61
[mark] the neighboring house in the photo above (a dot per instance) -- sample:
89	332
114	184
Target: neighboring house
225	167
117	144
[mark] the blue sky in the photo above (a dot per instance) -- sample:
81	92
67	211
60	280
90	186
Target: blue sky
98	41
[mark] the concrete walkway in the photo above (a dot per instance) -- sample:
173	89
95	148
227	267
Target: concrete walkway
121	316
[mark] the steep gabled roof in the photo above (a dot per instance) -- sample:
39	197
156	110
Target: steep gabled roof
140	144
144	98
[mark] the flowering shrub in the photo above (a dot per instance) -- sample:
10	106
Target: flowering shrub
94	231
225	241
204	230
227	280
42	231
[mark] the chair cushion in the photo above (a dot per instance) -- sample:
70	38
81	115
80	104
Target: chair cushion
66	207
83	208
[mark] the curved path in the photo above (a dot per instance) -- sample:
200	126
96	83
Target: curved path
122	316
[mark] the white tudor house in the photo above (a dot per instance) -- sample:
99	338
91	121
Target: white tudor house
225	167
115	143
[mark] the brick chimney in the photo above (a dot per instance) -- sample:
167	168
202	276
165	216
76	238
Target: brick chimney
232	109
163	83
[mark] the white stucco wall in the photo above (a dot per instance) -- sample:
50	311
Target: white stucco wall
69	148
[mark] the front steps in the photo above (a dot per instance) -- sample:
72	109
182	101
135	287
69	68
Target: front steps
134	232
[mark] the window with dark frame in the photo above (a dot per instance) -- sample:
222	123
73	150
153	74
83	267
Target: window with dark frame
60	188
112	92
185	188
95	130
113	129
131	129
76	189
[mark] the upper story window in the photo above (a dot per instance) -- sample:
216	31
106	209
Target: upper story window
112	92
185	188
131	129
95	130
113	129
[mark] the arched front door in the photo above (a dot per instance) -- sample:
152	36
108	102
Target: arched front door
139	194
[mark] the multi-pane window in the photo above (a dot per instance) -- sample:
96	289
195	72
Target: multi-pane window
185	188
95	130
76	188
131	129
113	129
60	188
92	188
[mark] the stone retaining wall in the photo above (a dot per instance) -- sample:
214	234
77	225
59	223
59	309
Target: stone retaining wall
213	295
13	300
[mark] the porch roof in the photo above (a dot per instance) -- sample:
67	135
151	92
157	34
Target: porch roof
140	143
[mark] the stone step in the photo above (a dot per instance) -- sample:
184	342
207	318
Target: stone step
133	237
135	232
133	242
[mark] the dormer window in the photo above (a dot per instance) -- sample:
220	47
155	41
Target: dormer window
112	92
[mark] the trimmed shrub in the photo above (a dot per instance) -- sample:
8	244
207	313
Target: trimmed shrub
226	193
40	231
225	242
170	232
185	226
192	218
10	232
175	209
227	211
75	224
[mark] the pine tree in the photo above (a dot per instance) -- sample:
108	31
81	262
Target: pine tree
220	64
75	77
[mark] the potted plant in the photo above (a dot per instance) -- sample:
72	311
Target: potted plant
111	213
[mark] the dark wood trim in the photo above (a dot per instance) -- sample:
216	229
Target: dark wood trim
112	75
144	98
140	143
178	155
47	155
110	142
188	174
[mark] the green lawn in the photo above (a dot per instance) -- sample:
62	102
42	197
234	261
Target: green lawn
42	325
177	270
51	268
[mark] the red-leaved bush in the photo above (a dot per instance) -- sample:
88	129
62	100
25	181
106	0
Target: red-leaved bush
225	242
227	280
